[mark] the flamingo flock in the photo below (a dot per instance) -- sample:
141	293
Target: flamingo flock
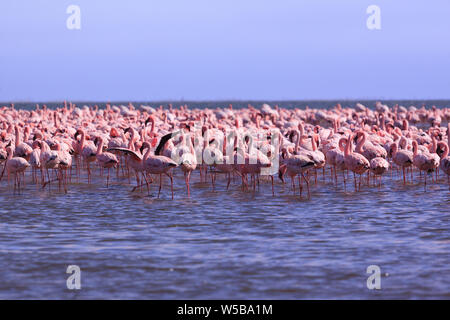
139	146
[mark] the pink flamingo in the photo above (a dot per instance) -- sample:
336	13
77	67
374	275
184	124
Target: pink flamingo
445	160
157	164
87	150
378	166
15	166
49	160
35	161
188	161
227	159
354	161
424	161
22	149
105	159
151	162
402	158
296	165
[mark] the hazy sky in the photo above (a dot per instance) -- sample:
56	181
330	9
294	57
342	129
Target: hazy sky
224	49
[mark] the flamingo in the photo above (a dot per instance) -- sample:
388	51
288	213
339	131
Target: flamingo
105	159
35	161
297	165
15	166
188	160
424	161
445	160
22	149
402	158
49	160
151	162
86	149
157	164
354	161
378	166
226	163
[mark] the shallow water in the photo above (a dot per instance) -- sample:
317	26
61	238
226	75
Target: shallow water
225	244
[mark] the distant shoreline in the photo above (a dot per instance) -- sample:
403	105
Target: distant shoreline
223	101
239	104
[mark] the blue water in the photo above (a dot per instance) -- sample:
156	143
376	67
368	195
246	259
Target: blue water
225	244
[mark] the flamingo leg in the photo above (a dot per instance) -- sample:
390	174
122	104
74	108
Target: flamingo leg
307	185
300	185
293	184
186	178
160	182
273	190
335	174
425	185
146	182
171	183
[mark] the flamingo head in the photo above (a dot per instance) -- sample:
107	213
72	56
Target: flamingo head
144	146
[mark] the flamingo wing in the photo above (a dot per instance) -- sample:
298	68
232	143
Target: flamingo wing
132	153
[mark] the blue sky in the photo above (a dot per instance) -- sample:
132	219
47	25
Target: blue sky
217	49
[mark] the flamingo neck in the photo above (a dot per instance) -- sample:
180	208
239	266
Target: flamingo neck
82	139
383	124
445	149
250	145
205	139
433	145
100	146
26	134
297	141
448	135
153	126
191	145
257	121
302	130
348	146
236	137
313	143
361	142
17	142
147	153
224	145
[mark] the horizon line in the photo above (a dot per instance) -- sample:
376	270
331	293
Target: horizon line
223	100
